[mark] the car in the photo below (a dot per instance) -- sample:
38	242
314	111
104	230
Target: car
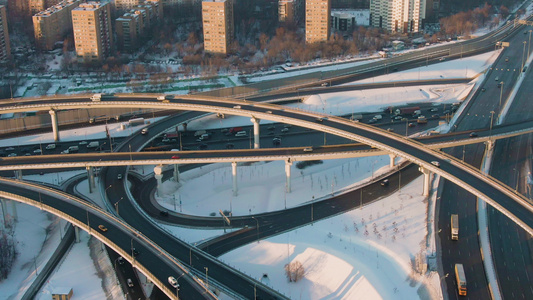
434	109
435	116
506	59
119	176
404	119
308	149
144	131
497	78
372	121
473	134
10	149
483	89
173	282
164	213
271	127
319	120
287	125
398	118
38	151
276	141
120	260
102	228
134	252
524	69
412	124
390	129
12	155
165	140
237	107
224	130
268	112
230	146
384	182
130	283
499	84
435	163
285	130
175	157
324	84
442	59
83	143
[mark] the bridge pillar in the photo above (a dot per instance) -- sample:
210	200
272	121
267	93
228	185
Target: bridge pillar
18	174
176	173
14	210
90	177
159	177
234	175
489	144
288	165
427	176
256	121
55	129
392	162
4	212
77	233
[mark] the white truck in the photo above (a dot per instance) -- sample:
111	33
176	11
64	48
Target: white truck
99	96
455	227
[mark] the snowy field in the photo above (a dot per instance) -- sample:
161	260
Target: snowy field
341	262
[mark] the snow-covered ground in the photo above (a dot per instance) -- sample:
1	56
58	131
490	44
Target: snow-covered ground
339	259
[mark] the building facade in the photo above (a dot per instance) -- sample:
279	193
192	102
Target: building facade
52	24
36	6
93	35
404	16
317	25
217	17
132	27
122	5
5	45
289	10
349	20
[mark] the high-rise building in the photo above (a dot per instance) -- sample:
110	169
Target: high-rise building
289	10
217	16
398	15
121	5
93	36
52	24
347	20
36	6
129	28
5	46
317	25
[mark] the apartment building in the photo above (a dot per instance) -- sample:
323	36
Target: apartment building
133	25
217	16
30	7
93	36
317	25
53	24
347	20
404	16
122	5
36	6
289	10
5	46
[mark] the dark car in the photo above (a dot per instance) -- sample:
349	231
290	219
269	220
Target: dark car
473	134
385	182
164	213
412	124
134	252
483	89
276	141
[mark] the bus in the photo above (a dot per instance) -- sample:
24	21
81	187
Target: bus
455	227
461	279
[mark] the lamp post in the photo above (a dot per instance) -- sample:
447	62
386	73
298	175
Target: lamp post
206	278
491	118
130	152
523	54
116	204
501	95
529	44
257	228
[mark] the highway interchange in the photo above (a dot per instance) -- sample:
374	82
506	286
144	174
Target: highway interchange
366	136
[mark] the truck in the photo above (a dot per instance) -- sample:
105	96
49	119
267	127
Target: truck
100	96
73	149
356	117
407	110
235	130
136	121
455	227
461	279
421	120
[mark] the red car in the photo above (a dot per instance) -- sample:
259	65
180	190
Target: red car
175	157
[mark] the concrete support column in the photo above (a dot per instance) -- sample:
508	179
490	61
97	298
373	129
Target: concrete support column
234	175
159	177
427	176
77	233
18	174
256	121
176	173
288	165
489	144
4	212
55	127
392	160
14	210
90	178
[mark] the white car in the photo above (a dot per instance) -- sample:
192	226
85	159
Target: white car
435	163
173	282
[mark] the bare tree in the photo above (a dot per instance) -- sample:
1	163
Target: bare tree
294	271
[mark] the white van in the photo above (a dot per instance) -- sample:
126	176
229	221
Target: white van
73	149
95	144
378	117
51	147
241	133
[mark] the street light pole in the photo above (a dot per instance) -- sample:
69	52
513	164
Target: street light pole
501	95
116	204
529	44
257	228
491	118
206	278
